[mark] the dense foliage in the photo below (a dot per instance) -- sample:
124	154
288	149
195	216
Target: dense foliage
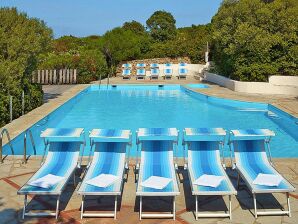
253	39
22	40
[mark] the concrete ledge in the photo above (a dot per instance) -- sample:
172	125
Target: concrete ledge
287	85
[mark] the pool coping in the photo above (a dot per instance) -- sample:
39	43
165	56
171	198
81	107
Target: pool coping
24	122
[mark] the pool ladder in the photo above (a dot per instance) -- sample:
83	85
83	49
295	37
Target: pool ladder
28	132
5	131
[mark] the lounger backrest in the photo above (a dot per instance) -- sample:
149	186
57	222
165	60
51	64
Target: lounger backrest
182	64
154	71
168	64
182	71
126	72
141	65
249	151
128	66
141	71
207	152
168	71
154	65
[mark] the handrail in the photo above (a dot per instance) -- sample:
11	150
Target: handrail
28	131
5	131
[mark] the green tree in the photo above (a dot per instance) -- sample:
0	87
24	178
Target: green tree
253	39
161	25
135	27
22	40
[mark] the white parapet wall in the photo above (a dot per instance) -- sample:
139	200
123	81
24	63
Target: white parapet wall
285	85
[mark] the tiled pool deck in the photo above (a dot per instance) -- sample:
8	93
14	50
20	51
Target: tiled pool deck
14	174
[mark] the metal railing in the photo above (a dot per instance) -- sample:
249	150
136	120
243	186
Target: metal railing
5	131
28	131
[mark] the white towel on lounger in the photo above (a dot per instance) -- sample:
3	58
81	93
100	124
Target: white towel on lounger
46	181
156	182
103	180
209	180
271	180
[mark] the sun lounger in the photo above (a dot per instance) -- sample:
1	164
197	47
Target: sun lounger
126	73
168	72
250	148
154	65
109	148
182	73
141	73
63	147
126	66
204	146
182	64
154	73
157	166
168	65
141	65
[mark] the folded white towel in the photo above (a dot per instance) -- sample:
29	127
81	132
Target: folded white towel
156	182
46	181
209	180
271	180
103	180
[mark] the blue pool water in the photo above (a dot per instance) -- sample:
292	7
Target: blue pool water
132	107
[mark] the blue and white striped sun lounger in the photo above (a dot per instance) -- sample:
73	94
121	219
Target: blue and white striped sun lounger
251	159
154	65
141	73
64	146
126	73
154	73
168	72
126	66
167	65
182	64
157	159
182	73
109	149
203	147
141	65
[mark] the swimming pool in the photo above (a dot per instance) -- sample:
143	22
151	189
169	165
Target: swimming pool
135	106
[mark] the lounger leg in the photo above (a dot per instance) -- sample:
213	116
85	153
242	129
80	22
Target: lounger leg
74	179
255	205
25	204
82	207
289	206
140	207
230	206
57	207
196	207
174	208
115	217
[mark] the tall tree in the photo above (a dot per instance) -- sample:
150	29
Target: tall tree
22	39
162	26
253	39
135	27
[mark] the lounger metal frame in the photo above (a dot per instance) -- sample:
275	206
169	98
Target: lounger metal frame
255	192
229	194
58	194
154	194
115	194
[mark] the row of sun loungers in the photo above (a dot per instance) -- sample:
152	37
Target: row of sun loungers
154	71
157	167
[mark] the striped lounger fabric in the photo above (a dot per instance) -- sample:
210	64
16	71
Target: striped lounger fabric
126	73
61	160
126	66
109	158
182	73
141	65
251	159
182	64
154	65
168	72
141	73
154	73
203	145
157	159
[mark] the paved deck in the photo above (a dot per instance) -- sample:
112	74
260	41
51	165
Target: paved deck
14	174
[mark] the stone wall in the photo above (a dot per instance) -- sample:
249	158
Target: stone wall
150	61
